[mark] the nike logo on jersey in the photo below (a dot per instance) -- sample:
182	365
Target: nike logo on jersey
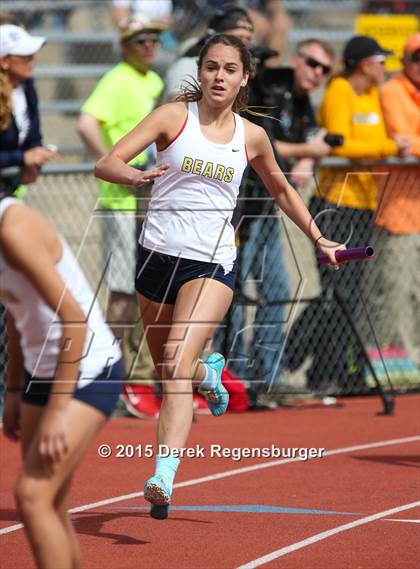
235	149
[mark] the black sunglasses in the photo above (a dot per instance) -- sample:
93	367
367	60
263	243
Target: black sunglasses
414	57
142	40
314	63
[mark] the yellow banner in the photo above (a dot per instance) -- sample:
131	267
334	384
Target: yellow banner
390	30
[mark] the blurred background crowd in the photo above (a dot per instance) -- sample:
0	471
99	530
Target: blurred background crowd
337	87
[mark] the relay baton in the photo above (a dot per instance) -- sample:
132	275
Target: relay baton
352	254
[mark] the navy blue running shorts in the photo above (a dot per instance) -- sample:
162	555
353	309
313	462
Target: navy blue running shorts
159	276
102	393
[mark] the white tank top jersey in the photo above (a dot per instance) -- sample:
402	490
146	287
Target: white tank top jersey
39	326
191	208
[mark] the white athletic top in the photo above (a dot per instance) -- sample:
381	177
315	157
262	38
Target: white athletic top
39	326
191	208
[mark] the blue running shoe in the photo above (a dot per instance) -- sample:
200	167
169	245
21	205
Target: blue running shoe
217	397
159	512
156	491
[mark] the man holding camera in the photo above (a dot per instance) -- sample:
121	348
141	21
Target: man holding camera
293	125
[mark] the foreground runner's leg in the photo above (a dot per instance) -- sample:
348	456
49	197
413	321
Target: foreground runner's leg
41	492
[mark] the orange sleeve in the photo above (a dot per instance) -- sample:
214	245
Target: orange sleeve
415	146
393	98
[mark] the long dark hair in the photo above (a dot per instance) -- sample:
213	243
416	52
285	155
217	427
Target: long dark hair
192	90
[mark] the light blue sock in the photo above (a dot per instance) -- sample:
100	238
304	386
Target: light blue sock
210	377
167	466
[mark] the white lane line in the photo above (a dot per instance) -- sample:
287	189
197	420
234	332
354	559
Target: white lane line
324	535
227	473
405	521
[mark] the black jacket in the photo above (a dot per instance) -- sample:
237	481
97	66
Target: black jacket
11	154
293	116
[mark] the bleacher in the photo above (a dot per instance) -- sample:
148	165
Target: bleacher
82	45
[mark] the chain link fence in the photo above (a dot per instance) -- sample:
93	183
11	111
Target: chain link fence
299	327
294	326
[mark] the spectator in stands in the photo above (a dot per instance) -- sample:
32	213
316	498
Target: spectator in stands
233	20
346	200
291	126
351	108
20	133
160	12
393	284
122	98
295	131
400	97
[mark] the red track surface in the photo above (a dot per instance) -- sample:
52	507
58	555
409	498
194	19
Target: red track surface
360	482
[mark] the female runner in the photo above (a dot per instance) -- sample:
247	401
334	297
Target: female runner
63	376
186	256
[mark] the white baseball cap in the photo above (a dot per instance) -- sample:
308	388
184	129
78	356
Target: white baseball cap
14	40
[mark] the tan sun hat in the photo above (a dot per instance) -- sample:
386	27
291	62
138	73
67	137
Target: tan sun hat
136	25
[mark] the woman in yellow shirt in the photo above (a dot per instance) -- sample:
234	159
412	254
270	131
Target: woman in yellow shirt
351	108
